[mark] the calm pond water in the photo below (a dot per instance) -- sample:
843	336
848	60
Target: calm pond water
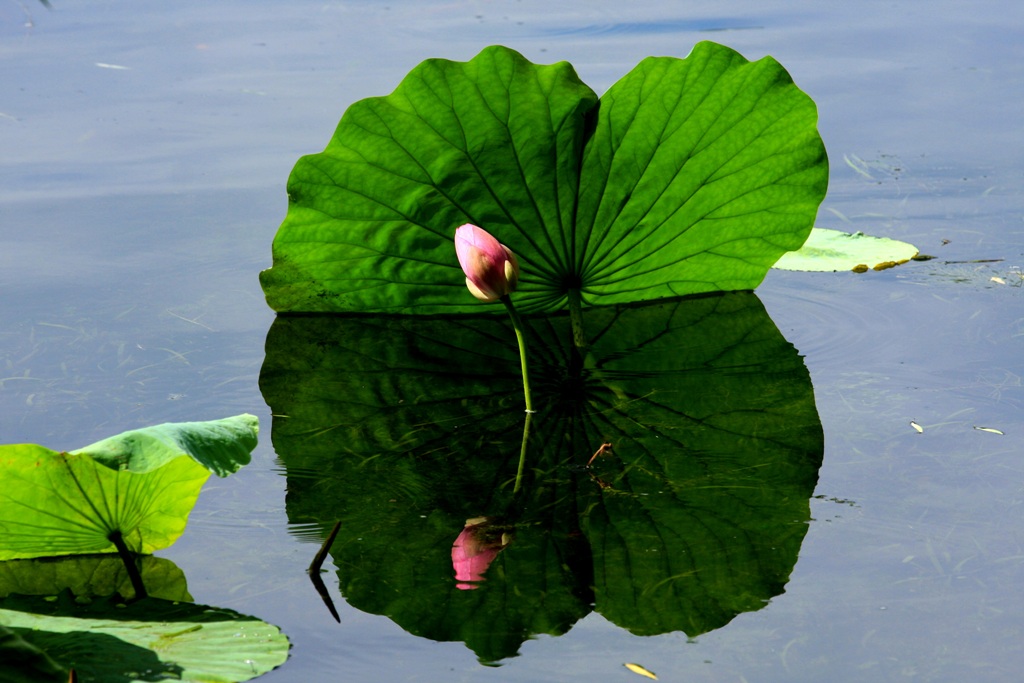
145	149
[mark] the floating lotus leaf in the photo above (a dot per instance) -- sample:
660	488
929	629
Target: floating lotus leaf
148	640
831	250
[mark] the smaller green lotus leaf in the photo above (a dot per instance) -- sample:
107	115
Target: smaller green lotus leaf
92	576
105	641
222	446
68	504
832	250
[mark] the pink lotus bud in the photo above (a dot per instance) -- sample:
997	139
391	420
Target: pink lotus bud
491	268
474	550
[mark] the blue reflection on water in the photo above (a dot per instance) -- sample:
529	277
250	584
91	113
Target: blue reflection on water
642	28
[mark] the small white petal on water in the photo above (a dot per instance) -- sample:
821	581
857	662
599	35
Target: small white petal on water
989	430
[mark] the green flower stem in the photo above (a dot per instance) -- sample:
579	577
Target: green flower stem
579	339
522	452
518	325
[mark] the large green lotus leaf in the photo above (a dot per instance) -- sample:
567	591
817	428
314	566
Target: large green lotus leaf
716	446
832	250
691	175
147	640
142	485
92	576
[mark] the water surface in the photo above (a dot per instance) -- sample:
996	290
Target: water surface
145	154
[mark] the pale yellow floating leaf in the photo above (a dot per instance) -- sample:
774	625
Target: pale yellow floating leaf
832	250
997	280
989	430
637	669
917	427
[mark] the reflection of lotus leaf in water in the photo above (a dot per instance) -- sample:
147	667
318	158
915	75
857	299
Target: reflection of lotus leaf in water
88	576
403	428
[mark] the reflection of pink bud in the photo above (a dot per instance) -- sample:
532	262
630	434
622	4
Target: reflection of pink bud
491	268
473	552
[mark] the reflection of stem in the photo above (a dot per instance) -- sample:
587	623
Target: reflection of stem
314	571
517	324
321	555
128	559
522	452
579	338
580	357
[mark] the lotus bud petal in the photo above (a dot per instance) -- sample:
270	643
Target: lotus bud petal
491	268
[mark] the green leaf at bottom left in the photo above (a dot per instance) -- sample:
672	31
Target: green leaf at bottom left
147	640
65	504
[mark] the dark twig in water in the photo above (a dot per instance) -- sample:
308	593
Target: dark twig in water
314	572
